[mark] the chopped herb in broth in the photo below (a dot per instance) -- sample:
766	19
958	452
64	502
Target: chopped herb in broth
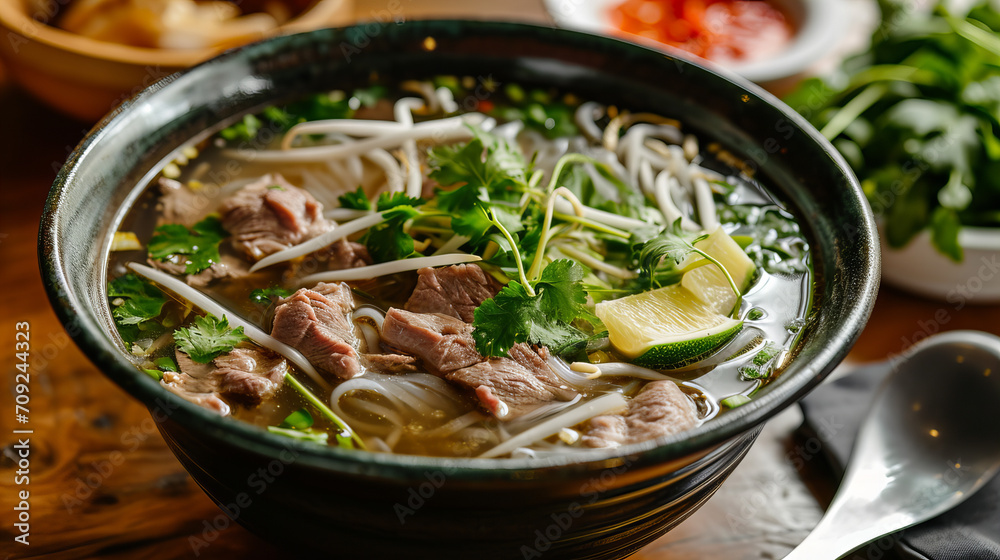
385	270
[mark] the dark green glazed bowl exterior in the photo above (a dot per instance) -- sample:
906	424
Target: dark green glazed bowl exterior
346	504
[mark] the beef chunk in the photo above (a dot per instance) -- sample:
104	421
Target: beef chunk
443	343
510	387
315	323
452	290
229	266
270	215
446	346
344	254
246	374
660	409
179	204
390	363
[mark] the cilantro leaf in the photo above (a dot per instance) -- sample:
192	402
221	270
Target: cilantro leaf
486	162
387	241
199	245
513	315
208	338
387	201
138	305
672	245
944	233
264	296
142	300
560	292
356	200
245	130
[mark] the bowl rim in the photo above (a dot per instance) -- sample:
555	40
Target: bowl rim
15	18
98	345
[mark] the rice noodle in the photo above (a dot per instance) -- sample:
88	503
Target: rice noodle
209	305
706	204
585	117
447	99
454	425
444	130
351	127
605	404
369	312
318	242
370	336
382	269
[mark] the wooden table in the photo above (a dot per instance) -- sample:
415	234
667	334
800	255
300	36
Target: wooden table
104	485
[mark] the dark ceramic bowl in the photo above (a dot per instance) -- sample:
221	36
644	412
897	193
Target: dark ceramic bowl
345	503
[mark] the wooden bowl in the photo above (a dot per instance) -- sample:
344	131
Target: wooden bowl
87	78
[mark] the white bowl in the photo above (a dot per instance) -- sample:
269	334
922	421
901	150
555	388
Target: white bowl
919	268
820	25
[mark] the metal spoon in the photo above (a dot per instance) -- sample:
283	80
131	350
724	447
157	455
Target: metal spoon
931	439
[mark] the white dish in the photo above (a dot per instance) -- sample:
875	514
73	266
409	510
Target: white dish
919	268
820	28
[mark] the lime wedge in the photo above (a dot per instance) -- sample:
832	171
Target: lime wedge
665	328
708	283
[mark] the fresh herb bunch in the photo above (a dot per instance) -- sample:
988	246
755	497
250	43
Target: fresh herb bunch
918	117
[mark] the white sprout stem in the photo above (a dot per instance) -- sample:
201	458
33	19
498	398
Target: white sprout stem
318	242
666	203
209	305
452	244
345	214
444	130
706	204
389	165
536	263
382	269
584	258
690	146
605	404
403	113
607	218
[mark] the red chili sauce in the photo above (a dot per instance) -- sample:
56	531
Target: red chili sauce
723	31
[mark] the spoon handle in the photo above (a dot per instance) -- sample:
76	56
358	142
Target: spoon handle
847	525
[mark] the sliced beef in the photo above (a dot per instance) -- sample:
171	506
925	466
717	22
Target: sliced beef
246	374
390	363
510	387
178	204
452	290
315	323
270	215
443	343
344	254
229	266
660	409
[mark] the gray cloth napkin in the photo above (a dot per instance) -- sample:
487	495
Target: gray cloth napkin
833	414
